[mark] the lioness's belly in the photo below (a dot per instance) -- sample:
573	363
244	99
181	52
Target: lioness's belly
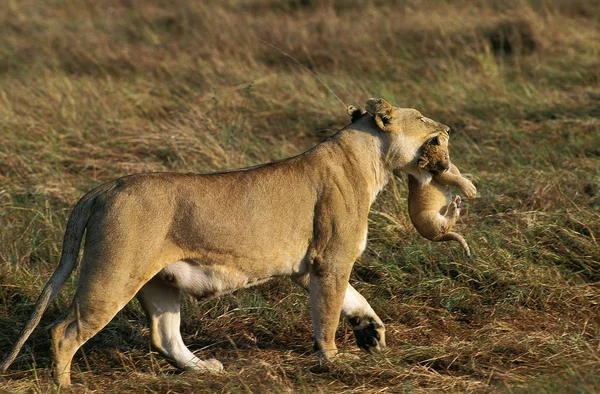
205	280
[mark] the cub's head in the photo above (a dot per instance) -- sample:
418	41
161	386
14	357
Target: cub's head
435	157
406	131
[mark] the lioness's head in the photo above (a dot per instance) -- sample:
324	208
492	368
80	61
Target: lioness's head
406	132
435	156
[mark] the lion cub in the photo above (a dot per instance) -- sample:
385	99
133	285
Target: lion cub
432	209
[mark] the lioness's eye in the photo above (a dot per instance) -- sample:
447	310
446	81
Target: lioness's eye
422	119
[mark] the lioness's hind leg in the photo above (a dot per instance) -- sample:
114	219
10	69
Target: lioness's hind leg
161	301
64	346
90	311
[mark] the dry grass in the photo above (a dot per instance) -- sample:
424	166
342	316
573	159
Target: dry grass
94	90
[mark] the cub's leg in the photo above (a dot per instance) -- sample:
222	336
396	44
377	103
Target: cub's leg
449	214
453	177
452	215
453	211
161	301
367	327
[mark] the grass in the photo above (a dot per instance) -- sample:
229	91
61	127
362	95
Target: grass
93	91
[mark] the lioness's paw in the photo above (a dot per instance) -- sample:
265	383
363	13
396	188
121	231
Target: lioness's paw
211	365
369	334
346	357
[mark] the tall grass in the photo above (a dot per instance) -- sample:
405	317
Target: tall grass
90	91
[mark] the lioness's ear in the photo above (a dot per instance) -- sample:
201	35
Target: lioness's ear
354	112
381	110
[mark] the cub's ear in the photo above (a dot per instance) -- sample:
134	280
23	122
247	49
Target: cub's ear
350	109
381	110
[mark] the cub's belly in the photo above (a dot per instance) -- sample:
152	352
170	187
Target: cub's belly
205	280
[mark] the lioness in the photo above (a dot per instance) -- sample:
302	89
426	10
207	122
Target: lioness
432	209
157	235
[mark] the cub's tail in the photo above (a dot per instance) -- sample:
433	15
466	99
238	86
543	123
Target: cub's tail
76	226
451	236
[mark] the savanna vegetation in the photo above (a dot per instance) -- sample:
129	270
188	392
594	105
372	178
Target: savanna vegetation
90	91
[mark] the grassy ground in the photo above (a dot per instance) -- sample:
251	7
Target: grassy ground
90	91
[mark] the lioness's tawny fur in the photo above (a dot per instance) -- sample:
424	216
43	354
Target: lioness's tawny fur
156	235
432	209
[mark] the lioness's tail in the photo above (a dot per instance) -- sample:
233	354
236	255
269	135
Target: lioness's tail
68	261
451	236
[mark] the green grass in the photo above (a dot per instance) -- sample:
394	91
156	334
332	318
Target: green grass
90	92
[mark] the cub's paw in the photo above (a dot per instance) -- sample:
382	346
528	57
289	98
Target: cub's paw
453	210
457	200
369	333
468	188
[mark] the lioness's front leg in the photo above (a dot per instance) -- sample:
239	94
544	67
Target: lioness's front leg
326	289
367	327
